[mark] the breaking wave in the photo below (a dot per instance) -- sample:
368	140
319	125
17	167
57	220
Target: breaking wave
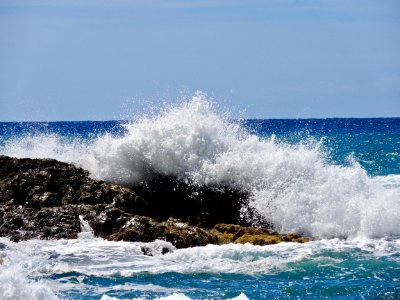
296	187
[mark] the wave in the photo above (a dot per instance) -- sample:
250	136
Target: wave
295	187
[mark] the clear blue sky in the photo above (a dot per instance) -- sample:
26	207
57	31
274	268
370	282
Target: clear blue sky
100	60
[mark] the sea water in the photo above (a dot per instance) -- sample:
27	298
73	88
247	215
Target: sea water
335	179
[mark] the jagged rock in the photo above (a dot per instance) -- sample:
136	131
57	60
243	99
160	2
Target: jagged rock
203	206
38	183
43	198
22	223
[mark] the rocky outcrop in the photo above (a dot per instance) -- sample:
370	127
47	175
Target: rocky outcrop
43	198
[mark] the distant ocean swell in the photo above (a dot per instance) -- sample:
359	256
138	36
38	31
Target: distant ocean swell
294	185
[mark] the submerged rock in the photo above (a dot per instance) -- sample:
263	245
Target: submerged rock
43	198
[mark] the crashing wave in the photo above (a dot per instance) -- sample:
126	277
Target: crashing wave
293	186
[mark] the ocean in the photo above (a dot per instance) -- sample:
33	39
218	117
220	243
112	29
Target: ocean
337	180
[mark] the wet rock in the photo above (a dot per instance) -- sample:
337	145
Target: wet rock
106	221
181	235
204	206
230	233
38	183
43	198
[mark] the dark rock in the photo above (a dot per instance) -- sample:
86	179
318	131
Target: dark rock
23	223
17	222
164	250
43	198
204	206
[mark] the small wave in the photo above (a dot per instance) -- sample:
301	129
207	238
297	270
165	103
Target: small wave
179	296
175	296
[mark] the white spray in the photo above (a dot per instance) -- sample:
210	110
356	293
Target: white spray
292	185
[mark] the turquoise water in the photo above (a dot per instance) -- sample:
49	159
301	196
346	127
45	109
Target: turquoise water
335	179
326	269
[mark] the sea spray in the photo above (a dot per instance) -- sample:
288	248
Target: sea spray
86	230
19	262
295	186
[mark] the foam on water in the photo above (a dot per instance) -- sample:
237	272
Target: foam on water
294	186
43	269
15	268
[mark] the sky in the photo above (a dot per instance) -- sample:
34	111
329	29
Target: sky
102	60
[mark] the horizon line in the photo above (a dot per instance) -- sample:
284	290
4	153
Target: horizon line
233	119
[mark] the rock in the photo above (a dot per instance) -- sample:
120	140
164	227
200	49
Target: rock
204	206
230	233
23	223
43	198
182	235
145	229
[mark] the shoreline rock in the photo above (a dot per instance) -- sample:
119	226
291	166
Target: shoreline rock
43	199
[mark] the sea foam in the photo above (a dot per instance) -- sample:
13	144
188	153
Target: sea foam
294	186
101	269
